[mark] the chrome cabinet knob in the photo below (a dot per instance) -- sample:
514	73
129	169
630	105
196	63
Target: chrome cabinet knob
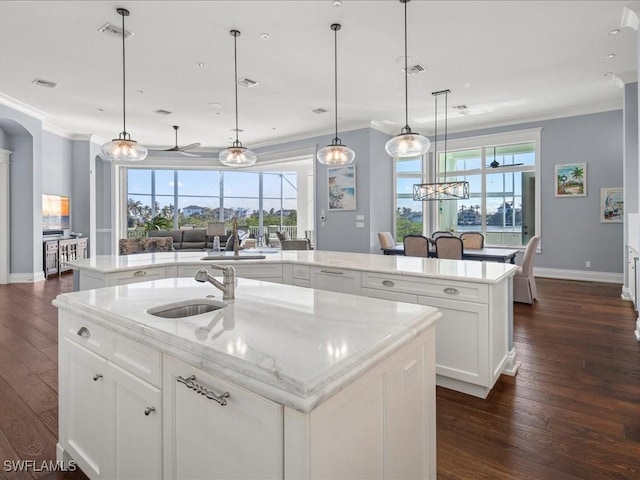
97	377
148	410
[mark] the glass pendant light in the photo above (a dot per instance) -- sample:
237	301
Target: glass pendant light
407	143
336	153
237	155
123	148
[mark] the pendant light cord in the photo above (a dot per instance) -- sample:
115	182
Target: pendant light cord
435	140
235	64
406	73
335	78
124	75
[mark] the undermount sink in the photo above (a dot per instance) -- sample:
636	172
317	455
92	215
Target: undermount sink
186	308
233	257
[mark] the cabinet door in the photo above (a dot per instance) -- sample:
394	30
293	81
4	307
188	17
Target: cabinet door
336	280
203	439
83	404
462	340
135	427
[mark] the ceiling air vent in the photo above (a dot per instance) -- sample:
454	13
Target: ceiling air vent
319	111
162	112
413	69
44	83
114	31
247	82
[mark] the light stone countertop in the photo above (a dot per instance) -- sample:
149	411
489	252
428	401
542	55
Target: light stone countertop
457	270
296	346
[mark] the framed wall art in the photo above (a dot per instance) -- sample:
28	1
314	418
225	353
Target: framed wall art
611	205
571	180
342	188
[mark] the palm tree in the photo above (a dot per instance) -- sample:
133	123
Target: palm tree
578	174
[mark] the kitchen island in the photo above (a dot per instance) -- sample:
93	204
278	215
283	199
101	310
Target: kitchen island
474	340
282	382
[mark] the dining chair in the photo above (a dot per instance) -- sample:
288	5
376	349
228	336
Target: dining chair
472	240
449	247
524	283
416	246
441	233
386	240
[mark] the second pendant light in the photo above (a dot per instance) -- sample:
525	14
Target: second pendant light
336	153
237	155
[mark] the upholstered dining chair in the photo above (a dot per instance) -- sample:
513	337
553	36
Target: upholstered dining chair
524	283
441	233
449	247
386	240
416	246
472	240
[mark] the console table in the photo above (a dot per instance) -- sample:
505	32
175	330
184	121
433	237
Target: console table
58	251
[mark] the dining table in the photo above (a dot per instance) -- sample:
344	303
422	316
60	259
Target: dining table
493	254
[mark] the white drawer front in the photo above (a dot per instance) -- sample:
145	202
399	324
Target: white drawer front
135	276
434	288
258	272
301	272
82	332
389	295
143	361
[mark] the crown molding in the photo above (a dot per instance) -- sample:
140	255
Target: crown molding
61	132
88	137
631	16
16	104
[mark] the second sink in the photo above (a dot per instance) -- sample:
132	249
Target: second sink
187	308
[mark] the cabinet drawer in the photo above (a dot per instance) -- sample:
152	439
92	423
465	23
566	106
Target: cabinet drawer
389	295
257	272
134	276
52	246
142	361
82	332
434	288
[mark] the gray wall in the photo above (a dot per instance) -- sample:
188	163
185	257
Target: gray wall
630	134
56	165
381	192
4	141
23	136
571	228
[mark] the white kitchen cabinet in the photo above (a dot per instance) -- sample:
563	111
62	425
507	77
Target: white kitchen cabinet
336	280
110	419
82	418
204	439
267	273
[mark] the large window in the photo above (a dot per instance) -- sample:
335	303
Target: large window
503	195
255	198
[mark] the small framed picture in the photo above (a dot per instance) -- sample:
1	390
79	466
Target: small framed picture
611	205
342	188
571	180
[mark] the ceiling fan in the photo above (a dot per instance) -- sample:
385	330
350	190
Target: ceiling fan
184	149
496	164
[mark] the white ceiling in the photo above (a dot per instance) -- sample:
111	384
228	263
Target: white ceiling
508	61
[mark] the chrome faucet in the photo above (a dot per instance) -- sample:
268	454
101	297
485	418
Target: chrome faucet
228	284
236	241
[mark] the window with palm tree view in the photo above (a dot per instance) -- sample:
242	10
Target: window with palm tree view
170	199
502	194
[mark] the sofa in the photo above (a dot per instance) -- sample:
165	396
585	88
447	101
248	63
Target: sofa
190	240
145	245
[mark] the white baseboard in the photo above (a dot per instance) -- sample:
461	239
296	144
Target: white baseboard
26	277
585	276
626	295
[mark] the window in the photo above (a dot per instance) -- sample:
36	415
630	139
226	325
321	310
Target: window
503	200
204	196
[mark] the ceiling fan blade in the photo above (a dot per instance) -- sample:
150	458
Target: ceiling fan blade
189	147
495	164
187	154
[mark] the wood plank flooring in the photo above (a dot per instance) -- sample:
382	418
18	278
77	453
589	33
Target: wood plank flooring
572	412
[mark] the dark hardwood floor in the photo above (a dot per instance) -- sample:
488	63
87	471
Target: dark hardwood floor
573	410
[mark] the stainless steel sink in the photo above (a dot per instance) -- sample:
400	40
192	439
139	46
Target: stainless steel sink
186	308
232	257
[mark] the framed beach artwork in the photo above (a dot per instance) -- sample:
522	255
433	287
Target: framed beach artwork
611	205
342	188
571	180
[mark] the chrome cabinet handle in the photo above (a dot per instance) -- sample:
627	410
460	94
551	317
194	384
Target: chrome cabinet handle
140	273
388	283
84	332
148	410
190	382
330	272
97	377
451	291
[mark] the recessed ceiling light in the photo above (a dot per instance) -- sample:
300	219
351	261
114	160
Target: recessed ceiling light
336	3
247	82
139	91
215	105
614	32
201	65
100	109
265	36
610	56
44	83
608	74
320	110
161	111
277	94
